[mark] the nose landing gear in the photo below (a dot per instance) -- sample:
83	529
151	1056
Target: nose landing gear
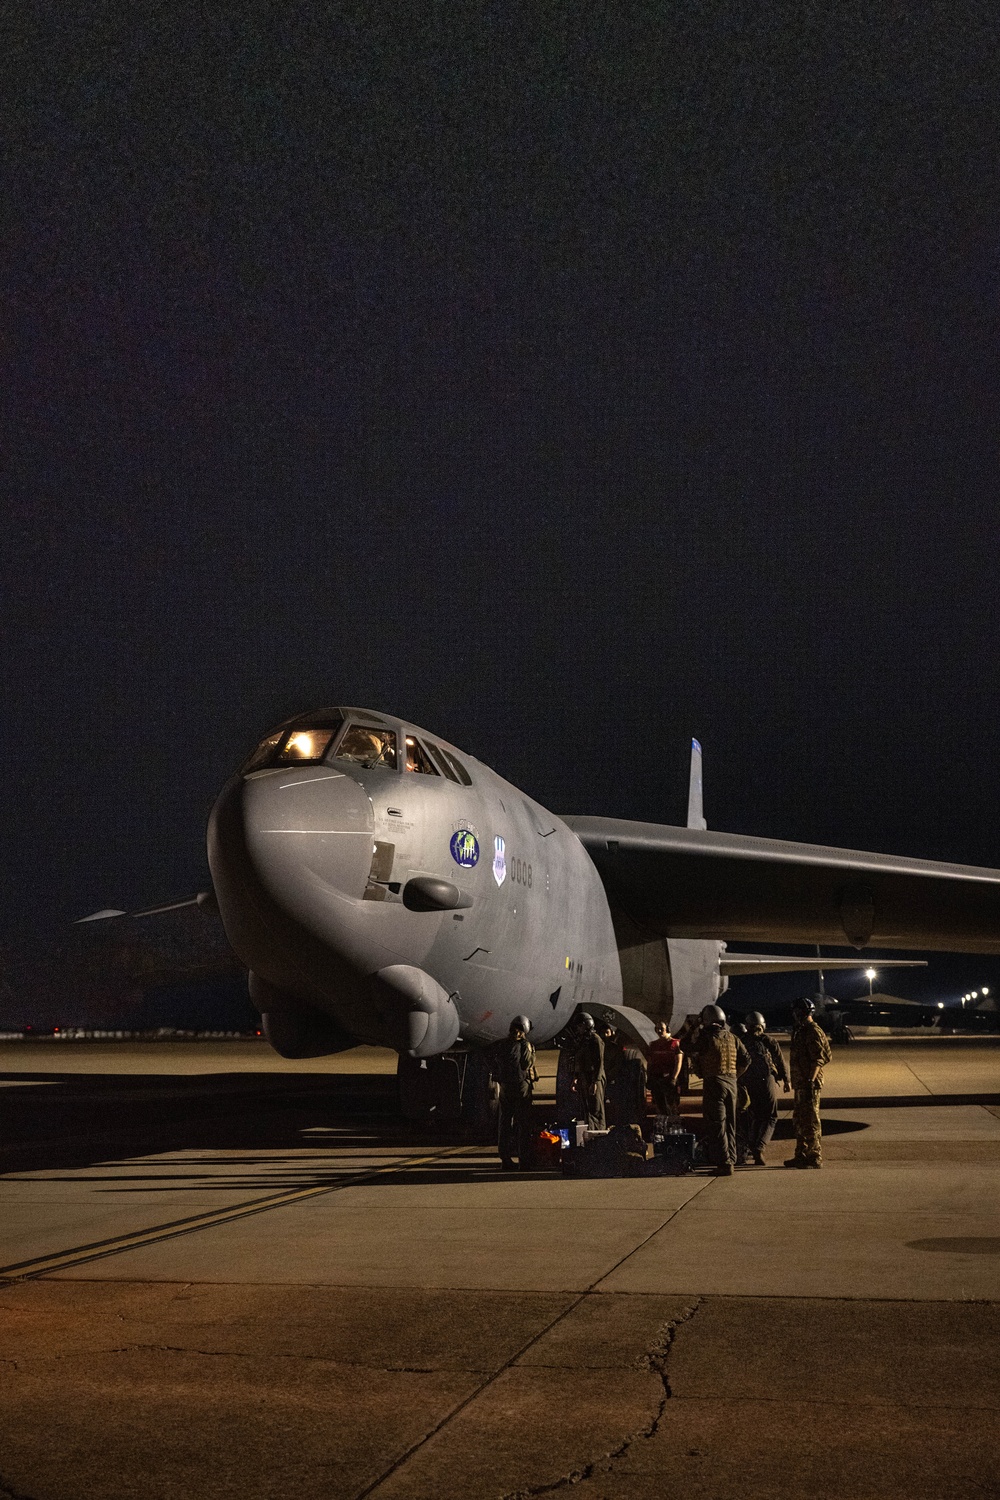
453	1091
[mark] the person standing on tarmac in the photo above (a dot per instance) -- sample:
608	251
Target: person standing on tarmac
766	1070
517	1080
810	1052
631	1093
589	1071
664	1066
690	1027
612	1066
720	1058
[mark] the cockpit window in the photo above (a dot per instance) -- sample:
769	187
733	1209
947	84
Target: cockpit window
262	755
417	758
368	747
305	745
450	765
454	766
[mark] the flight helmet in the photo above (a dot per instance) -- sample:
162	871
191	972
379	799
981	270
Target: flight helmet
586	1020
713	1015
755	1021
520	1023
803	1007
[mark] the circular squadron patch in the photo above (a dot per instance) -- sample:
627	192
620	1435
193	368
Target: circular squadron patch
465	848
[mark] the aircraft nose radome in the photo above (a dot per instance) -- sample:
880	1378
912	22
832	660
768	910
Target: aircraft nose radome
308	836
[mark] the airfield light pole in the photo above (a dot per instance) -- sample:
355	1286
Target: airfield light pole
869	975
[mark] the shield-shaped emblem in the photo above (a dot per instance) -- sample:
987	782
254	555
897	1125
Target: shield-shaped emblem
499	861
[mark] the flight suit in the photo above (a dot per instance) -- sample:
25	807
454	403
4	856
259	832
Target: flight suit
591	1079
719	1057
809	1052
631	1090
767	1066
612	1068
517	1076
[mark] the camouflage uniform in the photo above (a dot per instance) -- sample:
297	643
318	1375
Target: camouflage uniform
809	1052
719	1057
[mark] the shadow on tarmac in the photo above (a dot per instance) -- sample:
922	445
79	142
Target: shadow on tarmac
71	1121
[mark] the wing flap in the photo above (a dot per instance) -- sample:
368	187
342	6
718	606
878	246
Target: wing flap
776	963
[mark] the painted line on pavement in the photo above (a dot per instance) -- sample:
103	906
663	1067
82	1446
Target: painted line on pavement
79	1255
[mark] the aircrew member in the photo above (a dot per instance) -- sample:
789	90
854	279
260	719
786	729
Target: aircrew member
590	1075
720	1058
631	1087
767	1068
612	1065
690	1027
517	1080
664	1071
810	1052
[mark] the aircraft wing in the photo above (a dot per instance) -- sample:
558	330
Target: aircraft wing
167	944
699	883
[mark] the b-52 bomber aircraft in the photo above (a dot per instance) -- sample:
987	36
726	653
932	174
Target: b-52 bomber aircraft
383	887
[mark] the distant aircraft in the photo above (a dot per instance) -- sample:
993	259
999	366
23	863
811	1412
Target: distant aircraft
383	887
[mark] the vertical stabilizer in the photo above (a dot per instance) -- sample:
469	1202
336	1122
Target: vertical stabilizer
695	976
696	814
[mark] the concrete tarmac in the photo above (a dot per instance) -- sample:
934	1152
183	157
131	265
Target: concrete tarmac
229	1275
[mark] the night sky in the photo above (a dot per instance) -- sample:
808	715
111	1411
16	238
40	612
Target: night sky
568	379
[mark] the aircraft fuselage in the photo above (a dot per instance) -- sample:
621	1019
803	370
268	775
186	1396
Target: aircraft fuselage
413	911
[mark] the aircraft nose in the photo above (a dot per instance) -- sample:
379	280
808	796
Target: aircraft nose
309	830
298	839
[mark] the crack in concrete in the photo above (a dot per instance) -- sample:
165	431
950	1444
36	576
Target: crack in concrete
519	1354
656	1360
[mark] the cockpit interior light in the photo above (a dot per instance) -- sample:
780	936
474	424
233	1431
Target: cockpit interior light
306	744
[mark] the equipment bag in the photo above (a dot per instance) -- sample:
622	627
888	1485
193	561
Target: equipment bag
674	1155
547	1150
